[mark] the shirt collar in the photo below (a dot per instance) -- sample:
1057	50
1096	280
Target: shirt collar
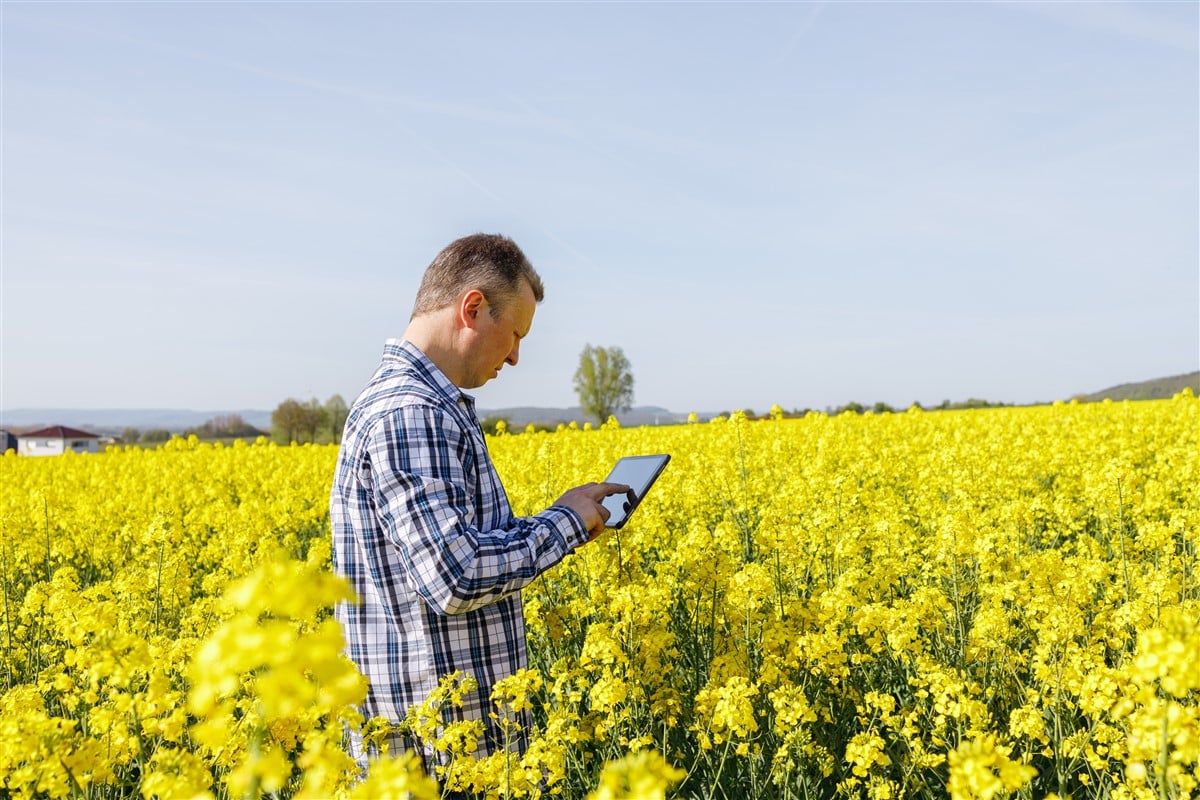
405	352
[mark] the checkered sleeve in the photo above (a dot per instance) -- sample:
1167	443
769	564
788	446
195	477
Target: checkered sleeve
433	501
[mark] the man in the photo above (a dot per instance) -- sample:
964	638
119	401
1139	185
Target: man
422	528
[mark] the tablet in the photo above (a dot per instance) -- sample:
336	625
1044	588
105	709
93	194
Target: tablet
639	474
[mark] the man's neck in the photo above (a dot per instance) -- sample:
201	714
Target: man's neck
434	335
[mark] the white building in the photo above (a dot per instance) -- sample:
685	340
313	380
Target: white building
56	440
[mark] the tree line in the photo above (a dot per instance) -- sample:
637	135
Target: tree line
292	421
603	381
311	421
231	426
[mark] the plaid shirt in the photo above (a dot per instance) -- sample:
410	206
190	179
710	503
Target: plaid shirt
423	531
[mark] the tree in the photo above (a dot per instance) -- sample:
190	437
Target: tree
337	410
287	420
315	418
604	382
225	427
492	425
154	436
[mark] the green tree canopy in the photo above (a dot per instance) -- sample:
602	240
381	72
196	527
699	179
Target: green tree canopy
336	411
315	418
226	427
604	382
288	420
154	436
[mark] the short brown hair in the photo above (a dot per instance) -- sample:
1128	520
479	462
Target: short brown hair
491	263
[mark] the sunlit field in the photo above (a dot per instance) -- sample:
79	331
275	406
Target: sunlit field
977	604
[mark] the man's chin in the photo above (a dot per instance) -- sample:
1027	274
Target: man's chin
475	383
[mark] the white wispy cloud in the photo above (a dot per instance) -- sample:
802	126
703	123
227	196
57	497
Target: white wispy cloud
1162	23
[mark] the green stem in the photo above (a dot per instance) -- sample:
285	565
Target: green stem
46	529
716	779
8	659
779	583
1163	751
1058	738
254	791
1121	539
620	560
158	586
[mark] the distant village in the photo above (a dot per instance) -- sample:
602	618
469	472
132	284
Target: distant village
58	439
53	441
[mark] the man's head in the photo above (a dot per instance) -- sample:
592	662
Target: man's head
491	263
474	307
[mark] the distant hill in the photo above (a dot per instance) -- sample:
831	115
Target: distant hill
521	416
113	420
1157	389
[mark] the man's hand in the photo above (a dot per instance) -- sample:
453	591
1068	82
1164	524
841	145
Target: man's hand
585	501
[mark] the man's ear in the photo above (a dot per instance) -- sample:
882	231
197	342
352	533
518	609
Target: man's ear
470	306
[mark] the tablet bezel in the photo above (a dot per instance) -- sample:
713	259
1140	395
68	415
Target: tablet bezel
614	502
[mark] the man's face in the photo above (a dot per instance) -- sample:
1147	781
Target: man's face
498	338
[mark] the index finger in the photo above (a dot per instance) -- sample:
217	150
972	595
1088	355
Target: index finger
599	491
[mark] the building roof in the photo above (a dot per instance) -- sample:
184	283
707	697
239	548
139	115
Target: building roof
58	432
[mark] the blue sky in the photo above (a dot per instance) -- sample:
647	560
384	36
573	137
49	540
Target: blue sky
222	205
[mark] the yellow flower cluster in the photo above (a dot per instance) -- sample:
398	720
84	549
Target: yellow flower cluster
638	776
166	626
974	604
981	768
270	688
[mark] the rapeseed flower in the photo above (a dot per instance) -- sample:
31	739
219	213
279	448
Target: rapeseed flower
643	775
870	605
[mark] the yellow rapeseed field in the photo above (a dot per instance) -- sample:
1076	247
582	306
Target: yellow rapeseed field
970	604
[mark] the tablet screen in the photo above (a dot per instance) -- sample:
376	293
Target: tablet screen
637	472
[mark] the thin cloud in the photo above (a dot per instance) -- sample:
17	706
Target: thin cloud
1141	21
812	12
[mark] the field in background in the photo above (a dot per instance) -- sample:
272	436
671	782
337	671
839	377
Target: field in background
988	603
